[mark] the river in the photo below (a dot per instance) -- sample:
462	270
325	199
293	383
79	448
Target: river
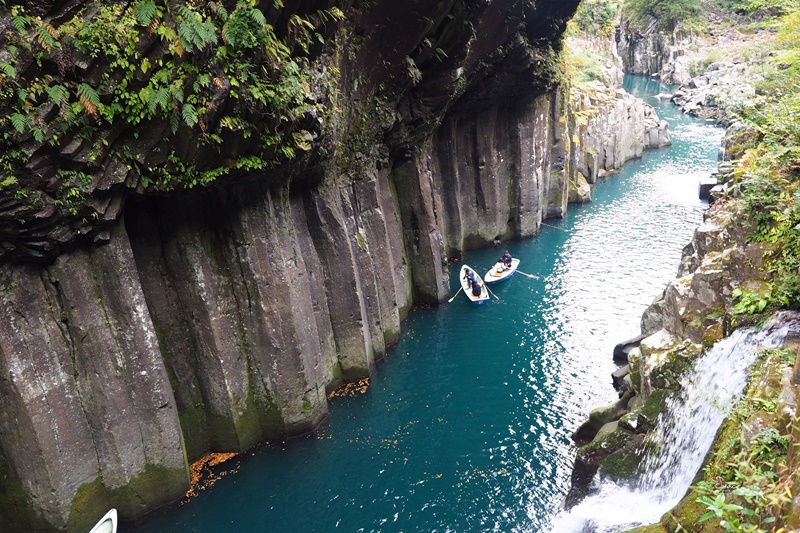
466	425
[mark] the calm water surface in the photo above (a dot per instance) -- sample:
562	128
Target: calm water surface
466	426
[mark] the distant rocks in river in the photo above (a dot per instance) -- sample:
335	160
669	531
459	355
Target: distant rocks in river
716	93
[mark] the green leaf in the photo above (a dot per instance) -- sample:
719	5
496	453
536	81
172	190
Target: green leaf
258	17
146	11
20	122
58	94
8	70
20	22
189	113
86	91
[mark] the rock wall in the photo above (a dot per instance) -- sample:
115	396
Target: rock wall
607	127
652	52
88	415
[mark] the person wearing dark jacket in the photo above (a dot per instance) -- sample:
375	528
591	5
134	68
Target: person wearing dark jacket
506	259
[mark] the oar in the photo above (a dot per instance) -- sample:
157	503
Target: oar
529	275
490	290
456	294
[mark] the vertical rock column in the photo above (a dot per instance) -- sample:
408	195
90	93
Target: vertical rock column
234	287
414	181
483	176
88	419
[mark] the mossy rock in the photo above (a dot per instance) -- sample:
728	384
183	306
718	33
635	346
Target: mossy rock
712	335
623	464
644	419
685	516
16	511
599	417
673	365
152	487
590	457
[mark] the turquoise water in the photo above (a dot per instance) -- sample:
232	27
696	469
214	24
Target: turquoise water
466	425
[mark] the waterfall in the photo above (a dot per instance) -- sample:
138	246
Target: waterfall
684	434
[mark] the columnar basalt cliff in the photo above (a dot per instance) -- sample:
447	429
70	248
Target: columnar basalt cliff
607	128
145	324
651	51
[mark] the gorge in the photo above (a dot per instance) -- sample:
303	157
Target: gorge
213	216
466	424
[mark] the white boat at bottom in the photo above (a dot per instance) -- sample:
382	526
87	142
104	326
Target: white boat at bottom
500	272
476	299
107	524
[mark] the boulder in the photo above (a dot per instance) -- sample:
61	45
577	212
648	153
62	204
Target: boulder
599	417
619	375
589	459
579	190
622	349
705	186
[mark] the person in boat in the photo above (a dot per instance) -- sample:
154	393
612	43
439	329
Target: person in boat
469	275
506	260
476	288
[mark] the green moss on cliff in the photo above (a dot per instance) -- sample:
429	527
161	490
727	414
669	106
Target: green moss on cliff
16	513
194	429
154	486
674	364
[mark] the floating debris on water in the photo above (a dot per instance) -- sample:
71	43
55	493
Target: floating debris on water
351	389
202	475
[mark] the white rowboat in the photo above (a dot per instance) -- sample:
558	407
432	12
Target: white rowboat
484	297
107	524
499	272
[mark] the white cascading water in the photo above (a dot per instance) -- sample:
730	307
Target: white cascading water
685	435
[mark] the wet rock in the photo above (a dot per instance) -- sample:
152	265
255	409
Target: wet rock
622	349
589	459
599	417
619	374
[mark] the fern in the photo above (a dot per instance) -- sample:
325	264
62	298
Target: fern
220	10
203	80
20	23
8	70
193	31
88	99
38	134
174	122
245	27
257	17
20	122
146	11
189	113
176	92
159	98
47	36
58	94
